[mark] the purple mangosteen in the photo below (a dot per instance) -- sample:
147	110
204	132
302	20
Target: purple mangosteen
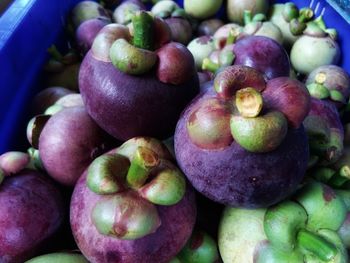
136	94
31	212
263	54
132	205
242	142
68	142
87	31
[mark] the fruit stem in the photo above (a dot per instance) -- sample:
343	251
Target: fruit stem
141	166
249	102
143	30
259	18
290	11
341	177
247	17
317	245
305	14
210	65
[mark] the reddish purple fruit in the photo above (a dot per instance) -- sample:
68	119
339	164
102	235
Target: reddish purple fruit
69	142
263	54
132	205
235	147
87	31
127	106
31	212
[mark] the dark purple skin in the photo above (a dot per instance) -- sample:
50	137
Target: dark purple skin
87	31
48	97
69	142
128	106
328	112
263	54
181	29
177	223
236	177
31	212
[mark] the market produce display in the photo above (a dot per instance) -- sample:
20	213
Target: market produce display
184	132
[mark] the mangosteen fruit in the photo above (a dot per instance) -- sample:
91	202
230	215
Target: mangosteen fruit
242	143
129	88
132	204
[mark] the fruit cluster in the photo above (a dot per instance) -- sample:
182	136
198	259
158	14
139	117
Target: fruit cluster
165	129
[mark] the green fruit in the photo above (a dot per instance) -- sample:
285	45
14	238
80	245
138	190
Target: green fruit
202	9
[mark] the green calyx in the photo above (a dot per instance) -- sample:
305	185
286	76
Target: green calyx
106	174
141	165
210	65
125	216
307	226
130	59
290	11
282	222
226	58
167	188
248	17
137	58
200	248
317	28
139	168
325	209
260	134
318	91
296	27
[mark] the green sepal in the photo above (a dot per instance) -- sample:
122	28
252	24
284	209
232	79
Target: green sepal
282	222
106	174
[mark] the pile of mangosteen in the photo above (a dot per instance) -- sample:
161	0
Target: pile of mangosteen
184	132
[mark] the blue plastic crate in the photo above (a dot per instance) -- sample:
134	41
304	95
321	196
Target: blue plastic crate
29	27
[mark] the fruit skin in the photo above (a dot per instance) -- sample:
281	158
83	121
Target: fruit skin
59	257
290	97
310	52
69	142
276	17
235	8
177	223
31	212
235	177
335	78
87	31
175	61
263	54
127	106
202	9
